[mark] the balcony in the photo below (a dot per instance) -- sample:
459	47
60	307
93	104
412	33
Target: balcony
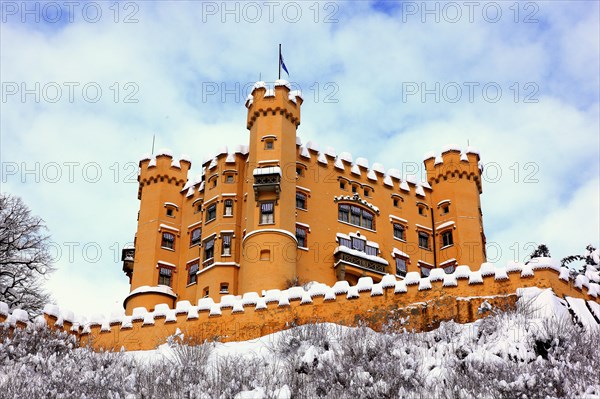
267	180
357	263
127	256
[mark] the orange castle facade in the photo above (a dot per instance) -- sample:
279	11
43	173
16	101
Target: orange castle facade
276	213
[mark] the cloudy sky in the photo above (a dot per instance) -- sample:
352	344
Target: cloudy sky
87	85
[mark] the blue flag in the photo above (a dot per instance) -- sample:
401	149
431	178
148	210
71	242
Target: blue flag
283	64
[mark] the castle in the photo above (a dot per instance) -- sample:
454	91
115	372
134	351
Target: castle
213	255
277	213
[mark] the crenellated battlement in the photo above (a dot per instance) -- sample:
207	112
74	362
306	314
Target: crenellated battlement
413	303
163	168
280	99
452	164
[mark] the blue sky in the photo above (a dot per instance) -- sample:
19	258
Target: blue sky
362	67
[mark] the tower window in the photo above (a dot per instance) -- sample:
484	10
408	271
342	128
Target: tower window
445	209
299	172
425	271
423	240
396	202
209	249
164	276
170	212
366	192
229	179
354	189
168	241
195	237
300	200
342	185
226	249
228	211
224	288
206	292
267	212
214	183
269	144
211	213
447	238
198	208
192	270
301	233
400	266
422	210
399	232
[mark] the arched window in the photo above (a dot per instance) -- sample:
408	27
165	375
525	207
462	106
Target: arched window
356	216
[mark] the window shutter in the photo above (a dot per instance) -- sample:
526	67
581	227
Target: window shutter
266	207
210	244
227	240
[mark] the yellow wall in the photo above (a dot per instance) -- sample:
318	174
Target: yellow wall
426	308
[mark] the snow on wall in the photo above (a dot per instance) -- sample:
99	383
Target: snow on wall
586	313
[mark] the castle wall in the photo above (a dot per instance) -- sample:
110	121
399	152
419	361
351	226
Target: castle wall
414	303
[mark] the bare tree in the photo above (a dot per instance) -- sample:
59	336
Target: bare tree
24	256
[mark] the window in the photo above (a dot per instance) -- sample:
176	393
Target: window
192	270
224	288
354	189
447	238
371	250
423	240
269	144
265	254
168	241
449	269
209	249
356	215
399	232
198	208
358	244
299	172
366	192
164	276
267	210
195	237
344	213
211	213
422	210
229	179
425	271
226	249
342	185
301	236
214	183
205	292
170	212
300	200
401	267
345	242
396	202
445	209
228	211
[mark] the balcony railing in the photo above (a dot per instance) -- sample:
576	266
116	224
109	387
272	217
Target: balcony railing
365	262
266	182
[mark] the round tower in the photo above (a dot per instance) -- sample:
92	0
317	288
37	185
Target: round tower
269	244
158	239
455	179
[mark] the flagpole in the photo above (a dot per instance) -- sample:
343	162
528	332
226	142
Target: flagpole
279	61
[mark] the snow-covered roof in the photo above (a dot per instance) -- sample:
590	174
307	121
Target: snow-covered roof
269	170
